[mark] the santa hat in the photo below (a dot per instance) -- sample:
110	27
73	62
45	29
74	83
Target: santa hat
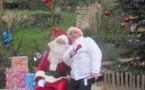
75	28
64	38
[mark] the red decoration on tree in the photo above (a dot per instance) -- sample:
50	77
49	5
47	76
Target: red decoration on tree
106	13
122	25
126	19
47	2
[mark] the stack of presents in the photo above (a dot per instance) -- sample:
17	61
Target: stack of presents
18	76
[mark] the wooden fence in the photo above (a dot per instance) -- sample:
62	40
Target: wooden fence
120	81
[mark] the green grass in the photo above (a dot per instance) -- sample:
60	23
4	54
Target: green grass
35	34
27	11
68	19
35	39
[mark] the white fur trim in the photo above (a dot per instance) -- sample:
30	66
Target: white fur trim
64	38
40	73
51	79
75	29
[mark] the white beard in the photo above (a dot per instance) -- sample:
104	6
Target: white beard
55	54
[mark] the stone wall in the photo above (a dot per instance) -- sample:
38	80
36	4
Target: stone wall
10	19
87	22
91	9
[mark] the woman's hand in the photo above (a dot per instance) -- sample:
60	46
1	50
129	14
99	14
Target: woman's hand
72	52
95	75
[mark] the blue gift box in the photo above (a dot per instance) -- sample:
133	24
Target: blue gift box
29	80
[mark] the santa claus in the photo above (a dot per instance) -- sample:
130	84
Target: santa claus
52	72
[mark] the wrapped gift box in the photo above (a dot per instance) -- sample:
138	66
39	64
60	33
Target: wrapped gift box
29	80
19	63
23	88
15	78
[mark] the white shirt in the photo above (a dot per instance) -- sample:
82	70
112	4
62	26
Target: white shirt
87	60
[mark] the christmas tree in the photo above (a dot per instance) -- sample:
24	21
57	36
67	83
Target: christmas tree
133	45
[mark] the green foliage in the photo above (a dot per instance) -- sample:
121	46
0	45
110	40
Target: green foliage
26	11
109	52
134	9
110	25
87	32
133	46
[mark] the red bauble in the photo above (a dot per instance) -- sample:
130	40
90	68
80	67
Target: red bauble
44	0
126	19
106	13
47	2
122	25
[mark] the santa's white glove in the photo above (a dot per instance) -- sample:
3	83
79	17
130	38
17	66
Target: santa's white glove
41	83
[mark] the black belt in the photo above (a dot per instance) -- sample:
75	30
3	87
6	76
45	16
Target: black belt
55	73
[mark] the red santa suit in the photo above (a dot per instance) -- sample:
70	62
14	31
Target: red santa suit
52	69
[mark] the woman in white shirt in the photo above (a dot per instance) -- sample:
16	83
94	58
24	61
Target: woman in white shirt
84	62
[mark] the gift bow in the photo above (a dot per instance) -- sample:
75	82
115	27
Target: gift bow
17	61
